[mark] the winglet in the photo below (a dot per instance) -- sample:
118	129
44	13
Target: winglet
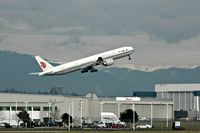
44	65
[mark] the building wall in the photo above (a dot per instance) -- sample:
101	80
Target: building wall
176	87
181	94
159	110
182	100
94	110
91	108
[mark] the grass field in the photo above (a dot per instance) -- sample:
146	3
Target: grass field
99	131
48	130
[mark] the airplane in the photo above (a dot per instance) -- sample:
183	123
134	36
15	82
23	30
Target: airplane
85	64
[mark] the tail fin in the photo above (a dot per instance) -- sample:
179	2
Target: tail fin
44	65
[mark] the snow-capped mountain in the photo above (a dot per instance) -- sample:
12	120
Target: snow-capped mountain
115	81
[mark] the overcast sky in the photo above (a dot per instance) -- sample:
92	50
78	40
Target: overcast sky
164	32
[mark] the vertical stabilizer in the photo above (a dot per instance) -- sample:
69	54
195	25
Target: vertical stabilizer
44	65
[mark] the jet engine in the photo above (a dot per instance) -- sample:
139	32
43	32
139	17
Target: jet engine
108	62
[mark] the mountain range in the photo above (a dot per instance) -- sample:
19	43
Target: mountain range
112	81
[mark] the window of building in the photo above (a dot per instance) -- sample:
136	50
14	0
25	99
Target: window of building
4	108
36	108
47	108
29	108
13	108
20	108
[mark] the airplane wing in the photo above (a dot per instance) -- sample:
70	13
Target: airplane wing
91	67
100	61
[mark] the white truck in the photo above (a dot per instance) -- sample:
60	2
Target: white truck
111	118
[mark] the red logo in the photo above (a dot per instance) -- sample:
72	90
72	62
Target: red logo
43	64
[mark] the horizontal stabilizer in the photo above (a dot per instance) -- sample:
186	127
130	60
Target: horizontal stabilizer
36	73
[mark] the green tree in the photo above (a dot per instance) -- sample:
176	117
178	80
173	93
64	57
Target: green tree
24	116
65	118
127	116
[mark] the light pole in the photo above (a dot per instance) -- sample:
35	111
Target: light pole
16	112
26	105
81	109
167	116
152	114
9	113
49	103
69	119
101	110
133	108
72	110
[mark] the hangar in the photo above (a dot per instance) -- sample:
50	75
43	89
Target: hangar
184	96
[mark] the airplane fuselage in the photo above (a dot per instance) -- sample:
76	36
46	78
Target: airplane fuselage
84	64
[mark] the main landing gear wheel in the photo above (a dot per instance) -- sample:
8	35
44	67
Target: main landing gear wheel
93	70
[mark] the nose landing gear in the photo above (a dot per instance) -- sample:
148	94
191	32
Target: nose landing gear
129	57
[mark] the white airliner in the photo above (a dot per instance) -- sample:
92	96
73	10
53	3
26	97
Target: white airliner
86	64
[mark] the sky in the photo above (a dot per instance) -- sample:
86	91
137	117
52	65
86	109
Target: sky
164	32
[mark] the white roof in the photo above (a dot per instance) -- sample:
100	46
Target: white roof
107	113
127	98
177	87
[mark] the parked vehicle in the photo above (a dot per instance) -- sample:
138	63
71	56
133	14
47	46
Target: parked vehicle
143	119
100	125
115	126
176	125
110	118
144	126
5	125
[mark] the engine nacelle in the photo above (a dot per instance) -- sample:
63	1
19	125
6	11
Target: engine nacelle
108	62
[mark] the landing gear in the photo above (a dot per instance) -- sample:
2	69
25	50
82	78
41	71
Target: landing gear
87	69
129	57
84	71
93	70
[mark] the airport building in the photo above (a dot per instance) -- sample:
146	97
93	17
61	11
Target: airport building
158	105
184	96
40	107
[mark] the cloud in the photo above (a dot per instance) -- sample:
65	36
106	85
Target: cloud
63	48
18	25
164	32
170	20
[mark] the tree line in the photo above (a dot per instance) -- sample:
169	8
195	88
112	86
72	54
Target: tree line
52	91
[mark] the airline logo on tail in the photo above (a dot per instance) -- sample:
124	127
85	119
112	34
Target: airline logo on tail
43	65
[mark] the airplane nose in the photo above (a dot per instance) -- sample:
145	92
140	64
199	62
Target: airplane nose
133	49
